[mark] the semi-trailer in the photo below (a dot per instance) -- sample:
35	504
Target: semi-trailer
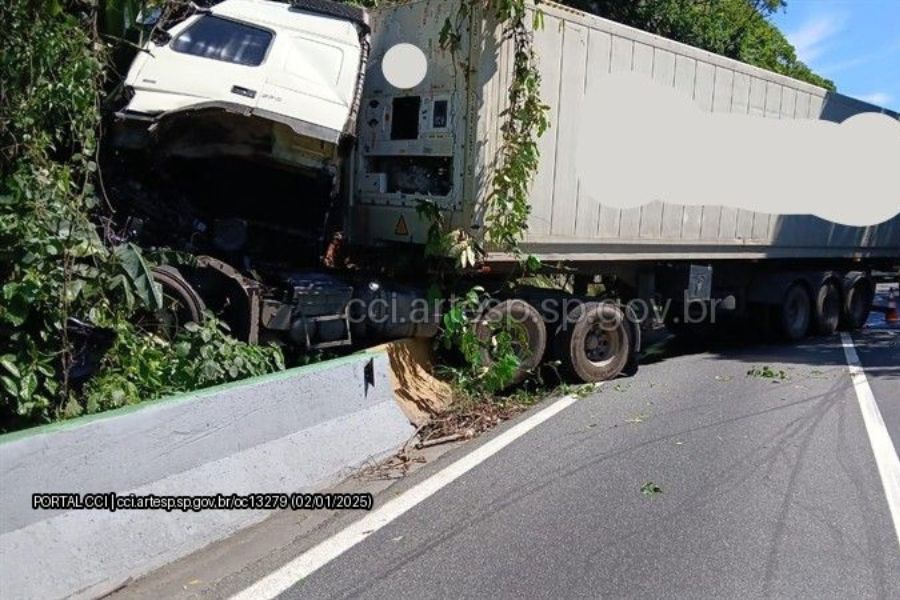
274	144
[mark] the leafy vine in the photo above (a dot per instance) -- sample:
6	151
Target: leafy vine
526	120
492	362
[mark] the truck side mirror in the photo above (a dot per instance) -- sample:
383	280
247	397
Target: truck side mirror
160	37
148	17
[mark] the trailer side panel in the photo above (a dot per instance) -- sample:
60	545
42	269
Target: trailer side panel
576	53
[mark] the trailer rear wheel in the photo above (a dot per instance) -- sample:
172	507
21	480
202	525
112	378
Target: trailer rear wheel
528	334
795	313
592	343
857	305
827	308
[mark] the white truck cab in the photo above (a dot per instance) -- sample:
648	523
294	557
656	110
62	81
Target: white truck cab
296	67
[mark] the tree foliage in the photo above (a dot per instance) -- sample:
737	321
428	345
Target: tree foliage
53	261
59	258
144	367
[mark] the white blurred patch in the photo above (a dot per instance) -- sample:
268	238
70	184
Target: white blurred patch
811	39
660	146
404	66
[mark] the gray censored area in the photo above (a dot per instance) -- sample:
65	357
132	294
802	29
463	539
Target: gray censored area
845	173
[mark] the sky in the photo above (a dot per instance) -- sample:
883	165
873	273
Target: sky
855	43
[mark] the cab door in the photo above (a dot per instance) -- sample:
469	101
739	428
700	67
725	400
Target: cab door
313	76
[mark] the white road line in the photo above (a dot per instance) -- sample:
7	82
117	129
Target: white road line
304	565
885	454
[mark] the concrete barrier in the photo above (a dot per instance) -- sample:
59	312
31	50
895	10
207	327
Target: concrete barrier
300	430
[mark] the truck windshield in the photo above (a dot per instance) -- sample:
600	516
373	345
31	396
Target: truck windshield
221	39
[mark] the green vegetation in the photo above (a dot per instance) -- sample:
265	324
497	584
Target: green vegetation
525	122
650	489
59	257
53	261
487	349
767	372
143	367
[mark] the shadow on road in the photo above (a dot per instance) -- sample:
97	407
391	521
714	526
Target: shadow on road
877	344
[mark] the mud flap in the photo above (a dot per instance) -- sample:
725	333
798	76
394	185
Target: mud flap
634	339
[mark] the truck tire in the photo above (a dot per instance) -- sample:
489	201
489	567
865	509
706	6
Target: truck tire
795	313
529	334
857	305
181	304
592	343
827	309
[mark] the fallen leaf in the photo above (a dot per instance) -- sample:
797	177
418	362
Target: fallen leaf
650	489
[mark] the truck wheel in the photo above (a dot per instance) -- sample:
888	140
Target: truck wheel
857	305
181	304
827	308
795	313
527	331
592	343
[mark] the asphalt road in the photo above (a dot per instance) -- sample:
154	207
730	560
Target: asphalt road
769	489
